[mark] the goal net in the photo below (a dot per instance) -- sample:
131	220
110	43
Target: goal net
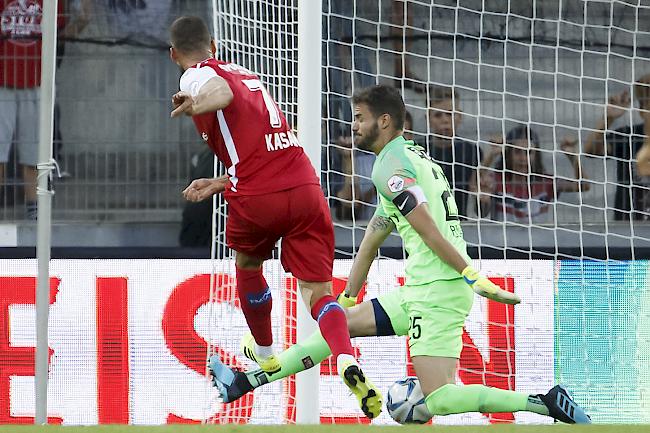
535	111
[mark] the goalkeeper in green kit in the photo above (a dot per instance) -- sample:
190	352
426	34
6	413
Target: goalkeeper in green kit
431	308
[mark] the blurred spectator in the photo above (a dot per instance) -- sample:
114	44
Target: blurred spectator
643	155
20	78
80	17
401	31
70	32
349	64
366	195
196	223
458	158
330	163
346	193
144	21
409	132
332	178
521	190
357	195
632	199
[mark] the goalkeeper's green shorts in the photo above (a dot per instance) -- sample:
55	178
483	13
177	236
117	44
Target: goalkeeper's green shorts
436	316
394	308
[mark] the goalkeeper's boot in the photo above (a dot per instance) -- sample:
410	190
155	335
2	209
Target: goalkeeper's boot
563	408
232	384
363	389
270	364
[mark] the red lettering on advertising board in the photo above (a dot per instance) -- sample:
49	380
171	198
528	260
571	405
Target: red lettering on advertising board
190	348
112	351
17	361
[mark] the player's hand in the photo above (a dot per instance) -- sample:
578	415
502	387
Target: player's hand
487	288
183	103
201	189
346	301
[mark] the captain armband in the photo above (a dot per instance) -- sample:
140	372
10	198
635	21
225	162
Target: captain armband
409	199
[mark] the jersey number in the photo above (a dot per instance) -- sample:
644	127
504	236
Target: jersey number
416	330
451	210
274	113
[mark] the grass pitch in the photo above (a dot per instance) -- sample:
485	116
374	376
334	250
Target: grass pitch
326	428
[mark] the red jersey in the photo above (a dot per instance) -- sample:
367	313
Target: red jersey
20	42
518	204
251	135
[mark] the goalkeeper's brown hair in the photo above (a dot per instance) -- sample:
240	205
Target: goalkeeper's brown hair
382	99
189	34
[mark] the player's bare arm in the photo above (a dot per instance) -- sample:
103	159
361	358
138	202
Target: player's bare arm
201	189
376	233
421	221
214	95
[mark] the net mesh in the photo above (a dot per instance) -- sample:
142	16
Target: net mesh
262	37
535	111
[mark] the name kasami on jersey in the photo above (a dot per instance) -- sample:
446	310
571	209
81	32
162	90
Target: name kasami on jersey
280	140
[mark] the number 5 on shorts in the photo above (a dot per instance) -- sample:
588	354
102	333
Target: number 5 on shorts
415	331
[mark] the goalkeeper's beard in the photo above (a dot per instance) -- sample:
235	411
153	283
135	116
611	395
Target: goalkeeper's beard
367	141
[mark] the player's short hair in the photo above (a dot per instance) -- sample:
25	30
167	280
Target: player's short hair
438	94
382	99
189	34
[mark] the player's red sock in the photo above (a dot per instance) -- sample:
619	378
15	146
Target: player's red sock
255	299
333	325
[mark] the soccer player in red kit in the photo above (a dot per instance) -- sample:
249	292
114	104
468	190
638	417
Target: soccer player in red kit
272	192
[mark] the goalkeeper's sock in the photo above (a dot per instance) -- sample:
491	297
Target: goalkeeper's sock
333	325
255	300
536	405
295	359
450	399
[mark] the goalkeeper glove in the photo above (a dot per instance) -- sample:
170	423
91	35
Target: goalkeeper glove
487	288
346	301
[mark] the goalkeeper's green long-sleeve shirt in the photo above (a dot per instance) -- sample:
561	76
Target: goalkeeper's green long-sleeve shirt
403	164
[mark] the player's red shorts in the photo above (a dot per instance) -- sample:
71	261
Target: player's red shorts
299	216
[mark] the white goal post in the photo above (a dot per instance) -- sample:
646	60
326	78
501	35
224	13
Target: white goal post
309	134
289	38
